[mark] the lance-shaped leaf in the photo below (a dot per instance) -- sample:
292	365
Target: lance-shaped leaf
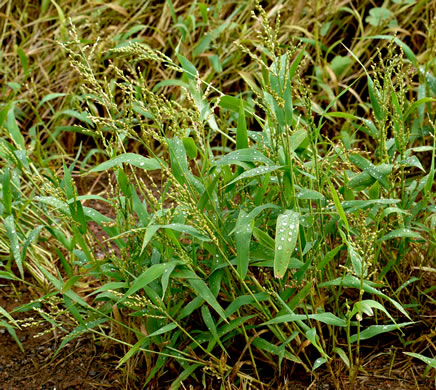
372	170
255	172
244	155
286	240
130	158
150	274
243	232
375	330
403	232
9	224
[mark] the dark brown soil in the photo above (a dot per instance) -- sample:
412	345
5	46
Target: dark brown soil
80	365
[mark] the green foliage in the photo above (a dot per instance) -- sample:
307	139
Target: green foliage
284	216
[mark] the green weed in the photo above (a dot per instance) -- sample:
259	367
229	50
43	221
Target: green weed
272	203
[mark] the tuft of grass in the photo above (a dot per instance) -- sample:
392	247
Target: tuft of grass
269	181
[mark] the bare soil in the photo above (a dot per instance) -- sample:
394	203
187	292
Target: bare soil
80	365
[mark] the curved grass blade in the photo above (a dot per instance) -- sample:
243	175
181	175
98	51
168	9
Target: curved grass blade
150	274
375	330
201	288
327	318
210	323
255	172
129	158
244	155
403	232
339	206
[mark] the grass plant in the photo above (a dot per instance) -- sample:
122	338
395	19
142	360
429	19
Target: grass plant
267	177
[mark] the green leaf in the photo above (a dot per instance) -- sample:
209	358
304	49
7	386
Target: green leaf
427	360
371	169
375	330
110	286
132	351
430	177
366	305
378	15
338	205
342	355
417	104
150	274
364	179
244	300
95	215
328	257
233	104
201	288
81	116
50	97
129	158
215	61
244	155
339	64
209	193
326	318
243	232
190	147
51	201
412	161
179	162
210	323
13	334
160	84
241	131
285	242
23	59
403	232
259	171
178	227
189	68
14	130
373	95
9	317
263	238
7	191
70	283
164	329
309	194
13	239
318	363
353	282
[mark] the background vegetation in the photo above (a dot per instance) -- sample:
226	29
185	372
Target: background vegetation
235	191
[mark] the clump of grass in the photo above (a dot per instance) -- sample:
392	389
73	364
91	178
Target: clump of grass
271	240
